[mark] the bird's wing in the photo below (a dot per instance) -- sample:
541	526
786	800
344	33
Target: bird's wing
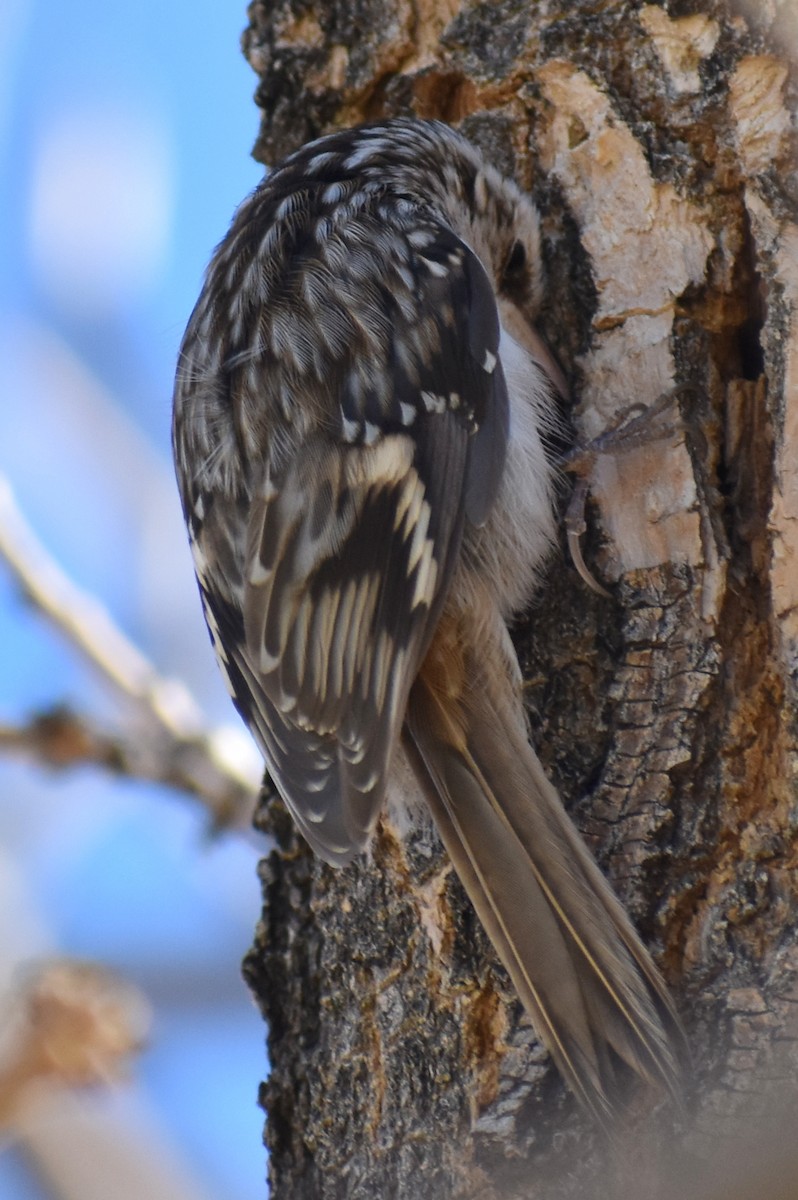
351	545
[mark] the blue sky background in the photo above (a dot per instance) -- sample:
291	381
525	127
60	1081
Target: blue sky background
125	132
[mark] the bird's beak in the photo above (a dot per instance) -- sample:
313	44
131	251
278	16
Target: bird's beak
527	336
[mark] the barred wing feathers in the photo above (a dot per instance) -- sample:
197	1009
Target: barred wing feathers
342	590
350	549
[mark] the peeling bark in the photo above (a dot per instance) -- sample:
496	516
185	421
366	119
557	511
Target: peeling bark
659	142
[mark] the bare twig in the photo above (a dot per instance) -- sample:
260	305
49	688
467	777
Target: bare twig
81	618
170	742
77	1024
61	738
76	1031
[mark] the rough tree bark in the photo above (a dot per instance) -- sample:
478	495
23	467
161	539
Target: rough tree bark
658	142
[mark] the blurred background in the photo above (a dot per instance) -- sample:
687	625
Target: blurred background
125	132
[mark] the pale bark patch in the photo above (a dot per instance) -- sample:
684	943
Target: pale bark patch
756	95
681	45
646	245
784	513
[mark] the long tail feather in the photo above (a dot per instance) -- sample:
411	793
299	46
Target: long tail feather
579	966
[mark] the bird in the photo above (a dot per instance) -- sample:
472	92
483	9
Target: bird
362	428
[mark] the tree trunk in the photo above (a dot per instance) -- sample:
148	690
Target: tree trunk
657	142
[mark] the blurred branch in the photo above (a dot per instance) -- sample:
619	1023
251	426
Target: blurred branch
61	738
169	741
78	1026
81	618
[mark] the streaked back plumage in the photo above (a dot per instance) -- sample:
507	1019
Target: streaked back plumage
361	414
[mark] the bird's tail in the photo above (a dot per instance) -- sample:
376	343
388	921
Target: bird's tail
579	967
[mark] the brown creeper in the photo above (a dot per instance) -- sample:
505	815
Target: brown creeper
359	424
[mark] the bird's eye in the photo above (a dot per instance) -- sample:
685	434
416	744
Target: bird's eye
515	263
